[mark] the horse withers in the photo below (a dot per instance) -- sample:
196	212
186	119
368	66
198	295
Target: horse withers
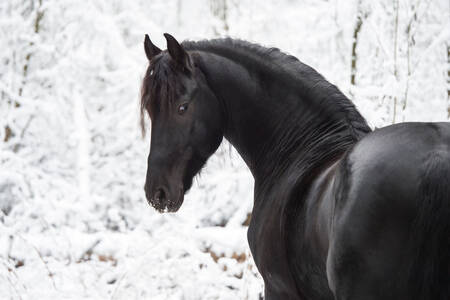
340	212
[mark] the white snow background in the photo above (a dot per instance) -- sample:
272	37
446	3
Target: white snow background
74	222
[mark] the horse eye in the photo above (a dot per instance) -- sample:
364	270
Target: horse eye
182	108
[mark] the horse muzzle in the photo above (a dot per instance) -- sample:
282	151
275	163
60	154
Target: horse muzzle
165	199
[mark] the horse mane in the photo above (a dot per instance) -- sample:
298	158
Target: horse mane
284	67
165	87
289	70
329	124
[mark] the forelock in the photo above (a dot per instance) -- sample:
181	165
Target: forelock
159	87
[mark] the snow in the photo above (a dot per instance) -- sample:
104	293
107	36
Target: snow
74	222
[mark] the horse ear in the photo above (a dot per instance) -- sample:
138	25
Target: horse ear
150	49
176	51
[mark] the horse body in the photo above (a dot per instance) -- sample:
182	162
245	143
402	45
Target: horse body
379	192
354	235
336	206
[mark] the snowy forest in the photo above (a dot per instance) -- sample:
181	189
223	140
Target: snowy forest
74	221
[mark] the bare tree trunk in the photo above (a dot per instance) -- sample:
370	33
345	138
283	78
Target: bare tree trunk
219	9
37	25
361	15
448	80
396	8
356	30
410	43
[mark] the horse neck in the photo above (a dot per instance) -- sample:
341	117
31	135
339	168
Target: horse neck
272	125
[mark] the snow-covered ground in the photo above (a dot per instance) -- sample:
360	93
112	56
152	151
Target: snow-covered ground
74	222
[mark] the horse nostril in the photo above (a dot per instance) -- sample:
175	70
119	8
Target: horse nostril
160	195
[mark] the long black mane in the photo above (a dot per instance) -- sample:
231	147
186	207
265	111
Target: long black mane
330	123
160	82
289	70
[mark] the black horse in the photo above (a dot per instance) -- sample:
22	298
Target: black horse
340	212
